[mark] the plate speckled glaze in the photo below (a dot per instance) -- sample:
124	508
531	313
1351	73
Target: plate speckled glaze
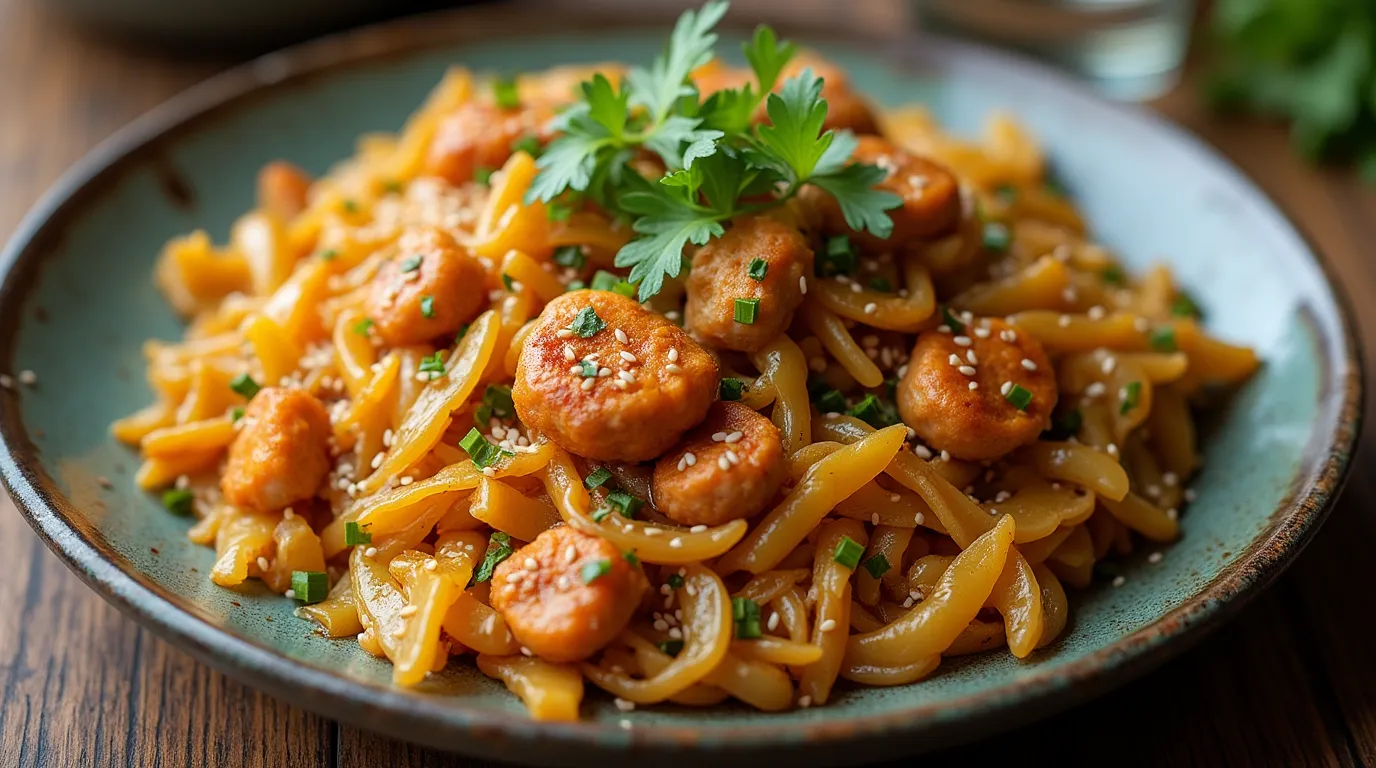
77	301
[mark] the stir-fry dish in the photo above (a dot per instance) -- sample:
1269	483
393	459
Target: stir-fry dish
691	381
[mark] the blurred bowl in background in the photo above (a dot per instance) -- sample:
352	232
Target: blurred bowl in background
230	23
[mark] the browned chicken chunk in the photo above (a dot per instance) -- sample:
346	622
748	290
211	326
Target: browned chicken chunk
936	398
607	379
737	464
566	594
429	289
281	454
725	272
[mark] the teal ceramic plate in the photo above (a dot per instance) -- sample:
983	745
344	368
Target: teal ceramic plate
78	300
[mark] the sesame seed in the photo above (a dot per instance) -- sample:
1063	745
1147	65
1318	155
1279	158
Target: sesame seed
1191	494
564	333
1170	479
407	480
734	437
945	455
974	385
1095	389
698	529
1155	558
676	543
624	723
691	458
718	437
603	373
377	459
1153	490
526	651
1069	293
626	376
6	381
183	482
982	333
661	625
489	472
1096	312
1119	581
1141	325
1112	449
943	328
622	337
290	594
673	354
531	564
650	530
970	355
627	356
262	563
773	622
802	285
409	610
804	701
919	518
587	384
370	552
562	583
568	352
962	341
682	464
1063	321
922	451
676	633
570	554
828	625
431	565
855	288
28	378
871	308
1006	388
1008	336
1172	514
732	456
1109	364
673	368
1028	364
968	370
954	359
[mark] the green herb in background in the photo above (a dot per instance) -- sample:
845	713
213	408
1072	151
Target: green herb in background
1311	61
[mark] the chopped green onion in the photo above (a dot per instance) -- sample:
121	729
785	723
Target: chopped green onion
463	331
483	175
881	284
1006	192
309	586
671	647
878	565
1066	424
848	552
746	615
570	256
996	237
354	535
747	310
631	557
508	283
586	323
1185	306
675	581
527	144
870	410
504	91
594	570
606	281
557	211
601	513
828	400
350	206
498	549
236	414
392	186
1019	397
361	327
178	501
244	385
839	257
427	307
412	263
483	453
1132	393
1114	275
624	503
597	478
1163	339
431	364
757	270
496	404
731	389
329	254
587	369
949	319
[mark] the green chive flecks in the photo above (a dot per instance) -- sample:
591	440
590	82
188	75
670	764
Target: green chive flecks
597	478
757	270
498	550
244	385
731	389
674	581
329	254
996	237
355	536
594	570
178	501
1163	339
496	404
878	565
427	307
631	557
1019	396
949	319
587	369
431	364
848	552
505	93
624	503
309	586
483	174
600	514
586	323
746	310
1114	275
236	414
412	263
483	453
570	256
746	615
839	257
1131	396
882	284
362	326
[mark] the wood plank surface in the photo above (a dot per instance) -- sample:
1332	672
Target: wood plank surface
1291	682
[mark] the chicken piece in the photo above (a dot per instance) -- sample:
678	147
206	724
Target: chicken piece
428	290
721	274
282	189
737	467
649	382
481	135
281	454
931	197
566	594
935	397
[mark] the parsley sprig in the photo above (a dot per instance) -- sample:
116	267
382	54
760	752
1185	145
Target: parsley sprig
719	163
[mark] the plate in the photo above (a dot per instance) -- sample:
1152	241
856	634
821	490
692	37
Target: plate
77	301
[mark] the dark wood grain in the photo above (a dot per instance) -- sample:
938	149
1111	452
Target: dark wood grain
1291	682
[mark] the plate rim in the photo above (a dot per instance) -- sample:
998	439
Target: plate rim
1291	525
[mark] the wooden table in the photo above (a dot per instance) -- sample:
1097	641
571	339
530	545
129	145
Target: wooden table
1292	682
